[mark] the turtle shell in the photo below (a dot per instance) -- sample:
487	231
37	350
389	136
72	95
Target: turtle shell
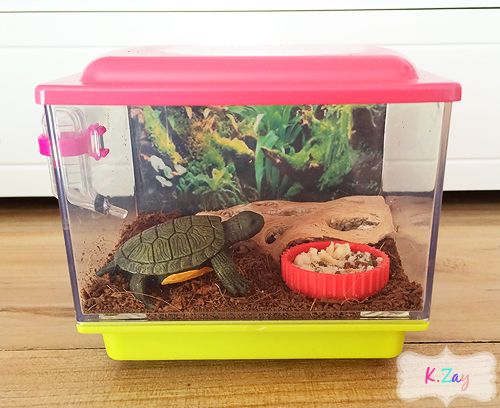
174	246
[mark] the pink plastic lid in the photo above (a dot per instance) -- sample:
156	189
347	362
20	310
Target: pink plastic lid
157	76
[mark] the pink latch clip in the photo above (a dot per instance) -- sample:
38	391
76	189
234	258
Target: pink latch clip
90	142
98	151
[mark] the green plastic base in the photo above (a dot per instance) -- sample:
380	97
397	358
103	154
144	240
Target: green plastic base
253	340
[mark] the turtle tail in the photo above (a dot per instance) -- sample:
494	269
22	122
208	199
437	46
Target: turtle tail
108	268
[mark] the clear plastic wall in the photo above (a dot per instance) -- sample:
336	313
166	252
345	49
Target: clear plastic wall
366	175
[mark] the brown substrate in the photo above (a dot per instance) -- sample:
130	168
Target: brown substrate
204	298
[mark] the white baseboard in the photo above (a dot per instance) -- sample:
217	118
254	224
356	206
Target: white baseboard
25	180
472	174
33	180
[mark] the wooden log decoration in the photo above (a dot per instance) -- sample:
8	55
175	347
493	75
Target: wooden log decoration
361	219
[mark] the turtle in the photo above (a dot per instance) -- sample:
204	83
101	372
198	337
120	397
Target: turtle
183	244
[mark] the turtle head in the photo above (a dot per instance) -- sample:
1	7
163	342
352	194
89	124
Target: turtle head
242	226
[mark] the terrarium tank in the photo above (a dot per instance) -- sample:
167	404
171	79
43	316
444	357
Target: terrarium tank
259	205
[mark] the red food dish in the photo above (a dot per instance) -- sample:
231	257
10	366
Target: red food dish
356	285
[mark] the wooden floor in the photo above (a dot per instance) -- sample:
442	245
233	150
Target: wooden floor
45	363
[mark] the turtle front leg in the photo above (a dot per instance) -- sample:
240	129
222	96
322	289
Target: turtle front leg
137	285
226	270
